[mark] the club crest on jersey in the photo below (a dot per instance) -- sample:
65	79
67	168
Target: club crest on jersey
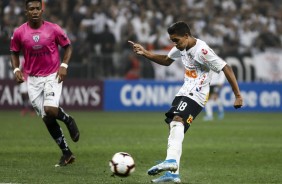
35	38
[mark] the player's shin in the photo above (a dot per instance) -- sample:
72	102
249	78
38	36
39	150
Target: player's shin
57	134
63	116
70	123
175	140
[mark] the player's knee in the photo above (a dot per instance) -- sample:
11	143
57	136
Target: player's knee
51	111
178	118
47	120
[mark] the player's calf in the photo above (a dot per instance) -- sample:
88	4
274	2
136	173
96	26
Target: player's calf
70	123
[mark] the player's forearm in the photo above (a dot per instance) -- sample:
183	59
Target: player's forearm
67	55
157	58
232	80
15	61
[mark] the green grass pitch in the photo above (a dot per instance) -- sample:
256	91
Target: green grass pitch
242	148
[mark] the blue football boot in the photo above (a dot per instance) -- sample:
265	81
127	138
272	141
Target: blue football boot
168	177
167	165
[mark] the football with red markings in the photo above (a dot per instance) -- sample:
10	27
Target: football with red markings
122	164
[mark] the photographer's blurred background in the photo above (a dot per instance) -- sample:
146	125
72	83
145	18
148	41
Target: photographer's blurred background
246	33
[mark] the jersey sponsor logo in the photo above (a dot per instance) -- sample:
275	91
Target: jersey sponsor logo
36	38
191	73
204	51
203	58
50	94
40	54
198	89
37	47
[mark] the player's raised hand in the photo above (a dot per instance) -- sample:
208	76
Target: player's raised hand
137	48
238	102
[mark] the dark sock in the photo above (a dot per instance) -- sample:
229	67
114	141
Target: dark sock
57	134
63	116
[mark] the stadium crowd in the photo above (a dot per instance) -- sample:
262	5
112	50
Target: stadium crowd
103	27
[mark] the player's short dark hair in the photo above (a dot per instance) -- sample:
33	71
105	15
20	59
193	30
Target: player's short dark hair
28	1
180	28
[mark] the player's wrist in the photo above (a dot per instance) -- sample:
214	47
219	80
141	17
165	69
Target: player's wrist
238	95
64	65
15	70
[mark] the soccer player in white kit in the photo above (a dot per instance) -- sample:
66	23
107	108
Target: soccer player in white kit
39	42
216	85
199	60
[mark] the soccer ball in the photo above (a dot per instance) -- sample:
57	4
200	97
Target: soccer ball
122	164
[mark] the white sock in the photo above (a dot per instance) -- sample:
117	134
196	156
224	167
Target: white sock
208	107
175	139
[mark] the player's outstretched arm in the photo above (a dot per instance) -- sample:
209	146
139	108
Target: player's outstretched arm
233	82
157	58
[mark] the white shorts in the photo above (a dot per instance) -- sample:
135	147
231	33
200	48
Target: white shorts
23	87
44	91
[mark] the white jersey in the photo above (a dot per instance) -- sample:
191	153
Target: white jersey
199	62
218	79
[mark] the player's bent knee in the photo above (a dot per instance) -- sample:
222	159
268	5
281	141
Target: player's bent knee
178	118
47	120
51	111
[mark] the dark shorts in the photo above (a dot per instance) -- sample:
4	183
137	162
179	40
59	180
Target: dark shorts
184	107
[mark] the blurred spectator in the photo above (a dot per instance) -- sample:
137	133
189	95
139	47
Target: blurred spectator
267	39
231	27
133	68
247	36
127	33
107	41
